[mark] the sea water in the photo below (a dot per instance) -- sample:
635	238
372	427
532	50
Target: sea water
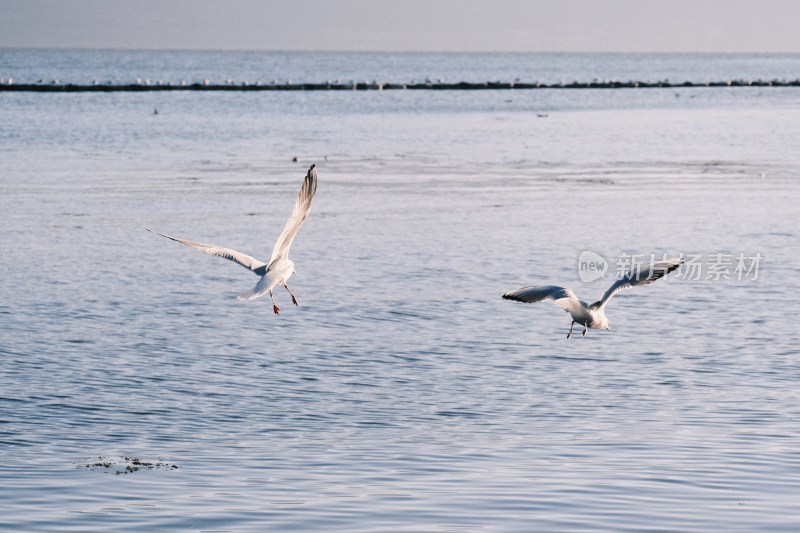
403	394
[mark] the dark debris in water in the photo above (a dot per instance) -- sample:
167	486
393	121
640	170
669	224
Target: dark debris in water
126	465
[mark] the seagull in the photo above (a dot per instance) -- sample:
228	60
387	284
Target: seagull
594	316
280	268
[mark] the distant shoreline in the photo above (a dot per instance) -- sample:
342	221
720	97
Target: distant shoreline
377	86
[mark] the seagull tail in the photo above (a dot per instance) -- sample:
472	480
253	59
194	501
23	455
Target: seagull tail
252	294
263	286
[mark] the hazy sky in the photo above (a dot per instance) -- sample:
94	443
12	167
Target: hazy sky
446	25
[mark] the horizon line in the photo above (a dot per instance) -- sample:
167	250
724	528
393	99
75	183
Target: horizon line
399	51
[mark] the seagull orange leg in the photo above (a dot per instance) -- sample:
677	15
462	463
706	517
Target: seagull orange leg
585	329
294	300
274	307
570	329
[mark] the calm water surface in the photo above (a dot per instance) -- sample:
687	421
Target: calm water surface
403	394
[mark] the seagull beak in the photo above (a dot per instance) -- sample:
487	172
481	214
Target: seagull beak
608	328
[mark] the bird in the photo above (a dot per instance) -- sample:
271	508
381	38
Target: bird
279	268
594	316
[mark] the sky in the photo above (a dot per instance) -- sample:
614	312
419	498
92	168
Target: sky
407	25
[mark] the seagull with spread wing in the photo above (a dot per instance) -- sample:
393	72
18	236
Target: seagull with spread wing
594	316
280	267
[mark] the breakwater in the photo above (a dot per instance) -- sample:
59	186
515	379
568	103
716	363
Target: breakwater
10	86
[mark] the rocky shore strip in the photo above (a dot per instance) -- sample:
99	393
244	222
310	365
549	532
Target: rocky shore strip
55	87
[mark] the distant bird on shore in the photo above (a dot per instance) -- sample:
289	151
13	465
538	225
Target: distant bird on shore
280	268
594	315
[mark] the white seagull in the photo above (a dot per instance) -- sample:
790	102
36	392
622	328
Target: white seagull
593	316
280	268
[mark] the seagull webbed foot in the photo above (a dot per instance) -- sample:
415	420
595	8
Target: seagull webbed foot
294	300
276	309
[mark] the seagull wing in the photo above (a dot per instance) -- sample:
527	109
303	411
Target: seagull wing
245	260
301	208
564	298
641	275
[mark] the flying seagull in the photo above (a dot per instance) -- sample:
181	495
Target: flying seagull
593	316
280	267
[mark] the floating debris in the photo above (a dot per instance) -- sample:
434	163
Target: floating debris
126	465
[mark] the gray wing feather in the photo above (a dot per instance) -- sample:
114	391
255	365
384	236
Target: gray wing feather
563	297
245	260
641	275
302	206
